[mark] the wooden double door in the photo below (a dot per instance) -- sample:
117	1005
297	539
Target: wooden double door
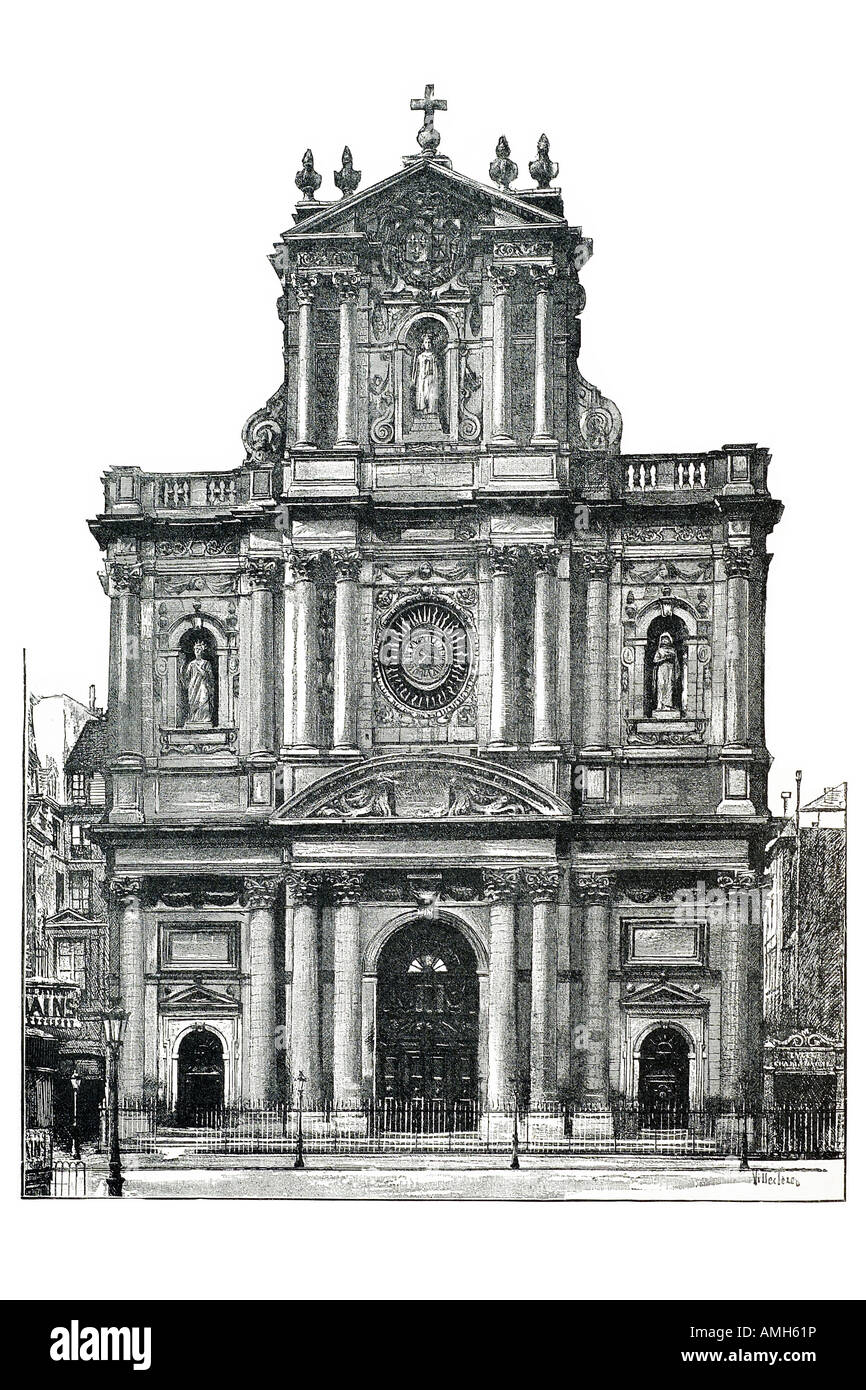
427	1029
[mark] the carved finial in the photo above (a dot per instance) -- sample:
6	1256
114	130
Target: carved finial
348	177
543	168
428	136
306	179
503	170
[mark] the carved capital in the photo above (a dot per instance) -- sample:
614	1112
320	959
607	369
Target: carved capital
346	887
126	890
543	885
303	888
595	890
542	276
347	283
304	284
501	885
502	278
303	565
261	891
597	564
125	579
738	561
502	559
264	572
347	564
545	558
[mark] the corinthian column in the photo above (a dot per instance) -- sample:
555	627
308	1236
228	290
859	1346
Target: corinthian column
738	567
125	664
302	899
543	885
127	896
545	559
543	276
735	1051
596	891
304	287
346	894
502	278
347	283
347	568
304	565
597	566
261	895
502	563
264	574
500	890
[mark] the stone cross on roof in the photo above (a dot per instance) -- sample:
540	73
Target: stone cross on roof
428	136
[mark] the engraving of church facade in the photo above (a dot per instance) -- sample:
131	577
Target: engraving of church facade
437	754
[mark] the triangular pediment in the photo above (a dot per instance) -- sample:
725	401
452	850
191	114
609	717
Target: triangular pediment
490	204
423	787
664	992
197	995
69	918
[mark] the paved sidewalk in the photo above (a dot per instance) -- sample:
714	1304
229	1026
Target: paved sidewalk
477	1178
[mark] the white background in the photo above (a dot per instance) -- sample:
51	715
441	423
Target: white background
714	154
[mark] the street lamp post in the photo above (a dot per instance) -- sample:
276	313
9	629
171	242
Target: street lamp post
75	1083
515	1087
114	1028
299	1157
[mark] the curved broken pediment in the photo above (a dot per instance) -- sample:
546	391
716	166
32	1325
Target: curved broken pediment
429	786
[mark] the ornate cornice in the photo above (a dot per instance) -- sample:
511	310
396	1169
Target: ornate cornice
543	885
595	888
346	887
261	891
501	885
303	887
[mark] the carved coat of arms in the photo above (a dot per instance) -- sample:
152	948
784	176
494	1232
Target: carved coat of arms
424	238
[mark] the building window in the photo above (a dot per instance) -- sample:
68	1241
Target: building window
79	893
79	840
78	788
58	892
69	961
97	789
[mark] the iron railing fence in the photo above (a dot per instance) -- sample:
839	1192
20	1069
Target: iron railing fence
68	1178
390	1126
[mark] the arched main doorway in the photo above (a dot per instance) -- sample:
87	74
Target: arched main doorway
427	1029
200	1076
663	1082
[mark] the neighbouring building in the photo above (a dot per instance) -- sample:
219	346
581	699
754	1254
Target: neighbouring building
804	955
436	728
66	918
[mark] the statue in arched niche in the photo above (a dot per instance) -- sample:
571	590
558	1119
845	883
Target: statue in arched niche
198	682
426	378
666	676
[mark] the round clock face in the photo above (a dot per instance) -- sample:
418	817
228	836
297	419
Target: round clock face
424	656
